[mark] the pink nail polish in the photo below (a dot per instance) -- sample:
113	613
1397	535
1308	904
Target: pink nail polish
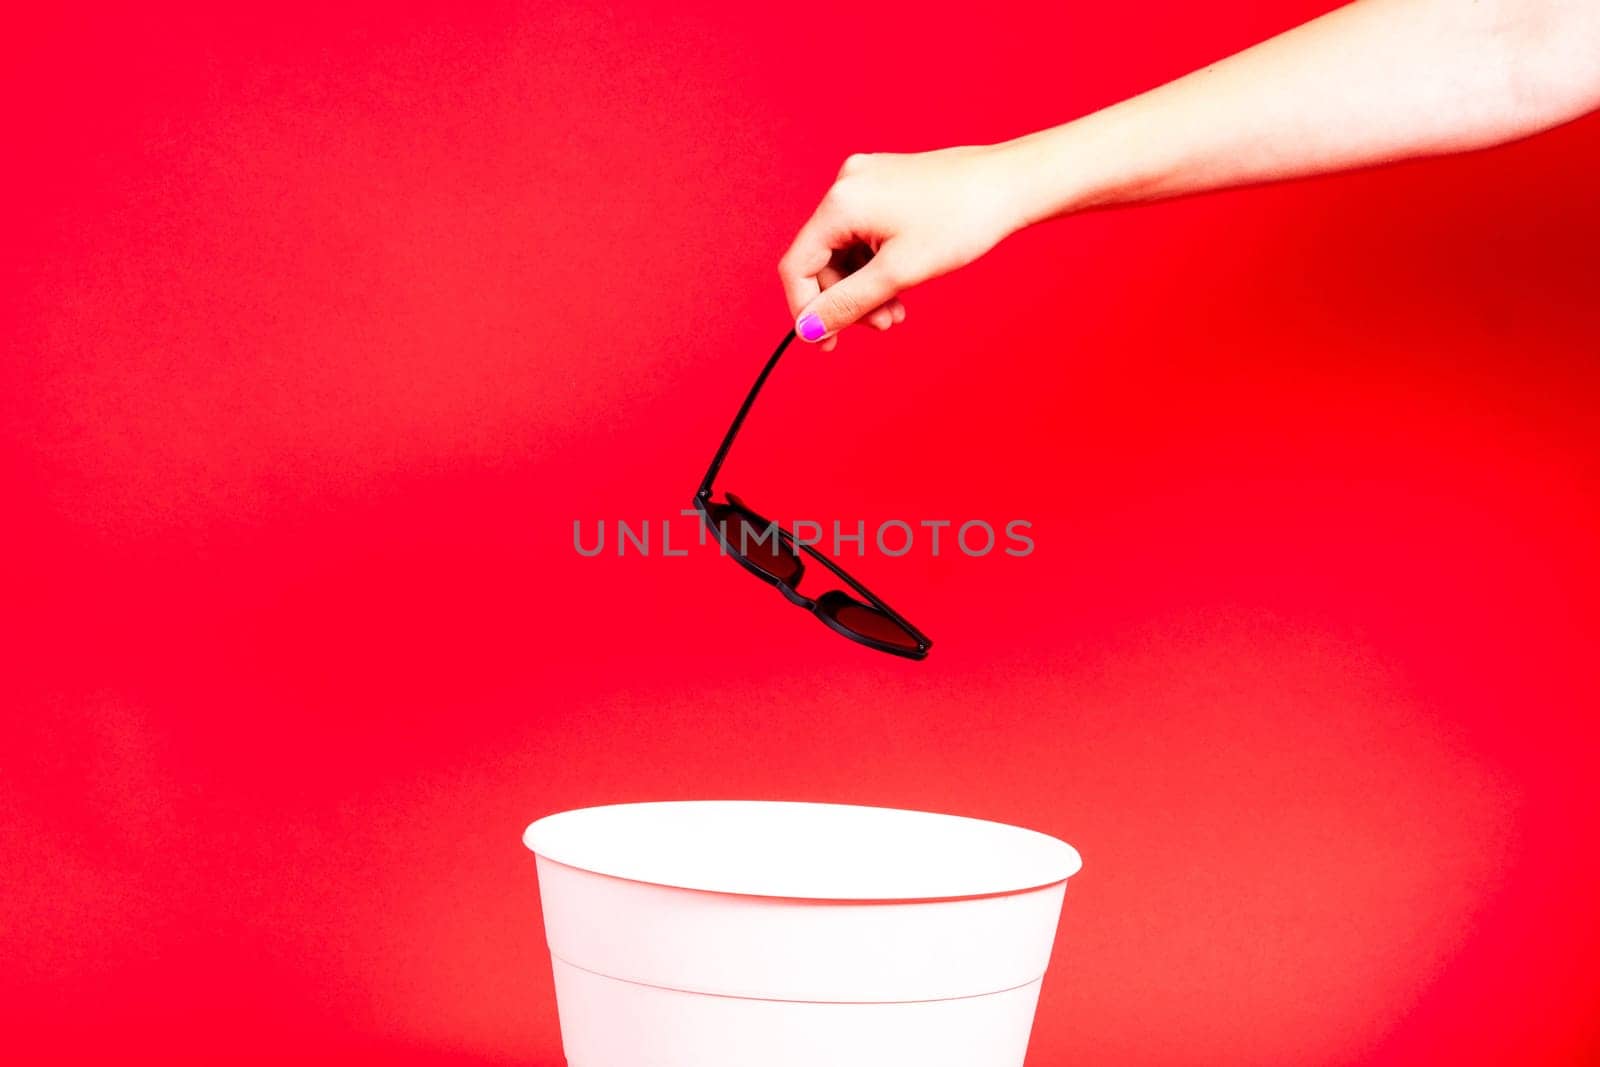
810	327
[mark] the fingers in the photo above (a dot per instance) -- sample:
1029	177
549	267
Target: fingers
843	263
840	266
835	273
813	249
851	299
887	315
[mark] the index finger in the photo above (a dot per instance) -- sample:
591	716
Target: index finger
813	247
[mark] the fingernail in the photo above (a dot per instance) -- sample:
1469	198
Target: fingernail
810	326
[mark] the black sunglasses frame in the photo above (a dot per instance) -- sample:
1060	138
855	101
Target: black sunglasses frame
703	504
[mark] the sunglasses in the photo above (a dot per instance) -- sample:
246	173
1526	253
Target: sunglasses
768	551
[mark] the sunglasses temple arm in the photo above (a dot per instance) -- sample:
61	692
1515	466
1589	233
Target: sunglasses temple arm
738	420
864	591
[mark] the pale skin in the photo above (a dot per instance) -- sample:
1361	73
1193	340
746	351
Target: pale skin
1374	82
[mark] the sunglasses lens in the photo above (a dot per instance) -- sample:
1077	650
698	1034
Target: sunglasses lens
756	540
866	621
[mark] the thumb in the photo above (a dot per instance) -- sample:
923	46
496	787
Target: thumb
847	300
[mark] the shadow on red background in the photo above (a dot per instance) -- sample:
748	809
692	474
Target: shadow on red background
325	329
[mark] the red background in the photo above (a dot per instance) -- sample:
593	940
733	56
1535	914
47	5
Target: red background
321	329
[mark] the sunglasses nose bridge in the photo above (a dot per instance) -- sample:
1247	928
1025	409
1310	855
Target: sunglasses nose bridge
794	597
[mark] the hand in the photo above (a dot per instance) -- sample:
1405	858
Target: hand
889	222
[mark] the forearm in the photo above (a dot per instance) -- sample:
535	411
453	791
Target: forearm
1376	81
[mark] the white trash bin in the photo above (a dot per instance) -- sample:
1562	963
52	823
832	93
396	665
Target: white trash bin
761	934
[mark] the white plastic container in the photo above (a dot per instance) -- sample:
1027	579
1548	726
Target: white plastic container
758	934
